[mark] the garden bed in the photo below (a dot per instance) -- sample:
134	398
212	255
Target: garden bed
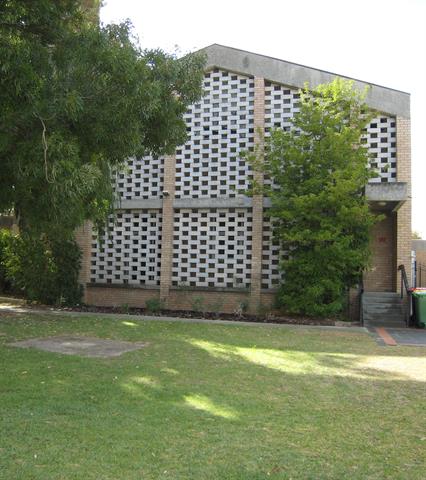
270	318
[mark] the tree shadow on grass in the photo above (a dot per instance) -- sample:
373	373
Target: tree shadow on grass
221	404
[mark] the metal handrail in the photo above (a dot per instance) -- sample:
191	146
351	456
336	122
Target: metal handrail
405	283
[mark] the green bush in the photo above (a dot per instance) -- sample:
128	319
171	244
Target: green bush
6	238
154	305
44	270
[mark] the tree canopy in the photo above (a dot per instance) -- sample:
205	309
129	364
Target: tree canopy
77	99
322	220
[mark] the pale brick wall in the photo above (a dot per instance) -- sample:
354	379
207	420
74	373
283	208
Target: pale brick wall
257	226
83	237
168	225
403	233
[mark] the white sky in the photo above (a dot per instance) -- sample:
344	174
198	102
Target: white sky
379	41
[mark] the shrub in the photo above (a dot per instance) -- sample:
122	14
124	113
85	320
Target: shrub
45	270
6	238
320	215
154	305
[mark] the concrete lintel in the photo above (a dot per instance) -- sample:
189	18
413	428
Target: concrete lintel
386	197
267	202
190	289
154	203
122	285
139	204
380	98
237	202
386	192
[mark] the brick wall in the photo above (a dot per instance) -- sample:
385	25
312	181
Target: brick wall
118	296
83	236
382	273
421	257
178	299
403	227
168	225
257	227
421	266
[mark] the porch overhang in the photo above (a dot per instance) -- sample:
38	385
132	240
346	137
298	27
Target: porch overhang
386	197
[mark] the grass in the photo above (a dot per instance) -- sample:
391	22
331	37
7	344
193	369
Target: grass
210	402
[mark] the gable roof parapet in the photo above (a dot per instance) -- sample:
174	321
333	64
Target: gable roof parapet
382	99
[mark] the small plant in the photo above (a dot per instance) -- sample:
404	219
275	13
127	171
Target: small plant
244	305
216	307
197	304
154	305
125	308
263	311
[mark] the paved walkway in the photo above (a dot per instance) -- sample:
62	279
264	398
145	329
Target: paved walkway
399	336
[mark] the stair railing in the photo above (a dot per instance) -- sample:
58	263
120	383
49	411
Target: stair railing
405	285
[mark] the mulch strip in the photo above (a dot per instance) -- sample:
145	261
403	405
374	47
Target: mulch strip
280	319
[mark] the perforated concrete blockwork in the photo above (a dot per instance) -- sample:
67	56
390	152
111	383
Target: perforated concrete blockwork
130	251
220	127
212	248
282	102
141	178
381	140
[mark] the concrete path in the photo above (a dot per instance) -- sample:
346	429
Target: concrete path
399	336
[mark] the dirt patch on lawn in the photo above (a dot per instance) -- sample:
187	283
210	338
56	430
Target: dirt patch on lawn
81	346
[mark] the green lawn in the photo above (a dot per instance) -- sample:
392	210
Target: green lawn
210	402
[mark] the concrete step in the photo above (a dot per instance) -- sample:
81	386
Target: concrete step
390	312
392	304
383	309
381	294
393	315
381	301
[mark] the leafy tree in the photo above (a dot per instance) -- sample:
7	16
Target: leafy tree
76	100
322	219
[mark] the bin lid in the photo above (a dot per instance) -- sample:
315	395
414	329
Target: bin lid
417	292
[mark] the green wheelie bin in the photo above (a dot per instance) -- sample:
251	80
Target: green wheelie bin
419	300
